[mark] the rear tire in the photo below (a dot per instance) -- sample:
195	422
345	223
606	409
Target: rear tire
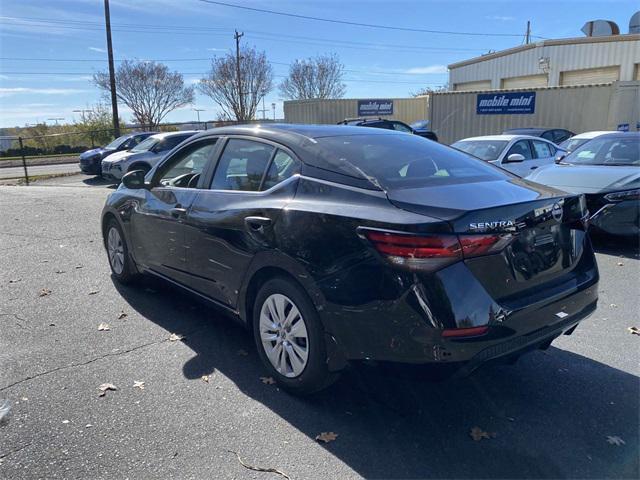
120	262
290	338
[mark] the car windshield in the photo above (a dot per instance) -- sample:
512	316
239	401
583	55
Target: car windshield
145	145
572	143
607	151
484	149
117	142
400	161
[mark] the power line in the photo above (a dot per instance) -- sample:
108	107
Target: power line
275	37
358	24
349	70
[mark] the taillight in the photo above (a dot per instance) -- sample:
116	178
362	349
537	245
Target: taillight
432	251
416	251
464	332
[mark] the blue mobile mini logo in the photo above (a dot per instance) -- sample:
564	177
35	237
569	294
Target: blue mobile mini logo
506	103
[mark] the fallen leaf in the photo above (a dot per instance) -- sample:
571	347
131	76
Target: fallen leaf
634	330
44	292
326	437
65	421
52	324
242	353
104	327
122	315
60	271
104	387
138	384
88	425
478	434
620	264
267	380
205	378
78	266
93	292
615	440
174	337
613	305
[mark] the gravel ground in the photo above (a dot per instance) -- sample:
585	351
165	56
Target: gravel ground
553	414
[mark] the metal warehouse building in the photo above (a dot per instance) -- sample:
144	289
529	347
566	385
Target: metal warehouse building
552	63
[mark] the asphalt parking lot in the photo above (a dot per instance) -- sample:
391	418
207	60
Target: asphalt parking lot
569	412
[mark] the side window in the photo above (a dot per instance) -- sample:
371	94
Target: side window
242	165
170	142
281	168
548	135
184	168
401	128
522	147
543	149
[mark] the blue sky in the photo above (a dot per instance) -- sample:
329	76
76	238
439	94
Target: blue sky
379	63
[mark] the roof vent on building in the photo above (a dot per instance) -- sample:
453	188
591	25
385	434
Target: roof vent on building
600	28
634	23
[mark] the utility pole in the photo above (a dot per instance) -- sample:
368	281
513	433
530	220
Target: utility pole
112	74
273	107
237	36
527	37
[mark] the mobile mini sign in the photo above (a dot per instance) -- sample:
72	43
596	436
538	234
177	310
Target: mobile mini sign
368	108
506	103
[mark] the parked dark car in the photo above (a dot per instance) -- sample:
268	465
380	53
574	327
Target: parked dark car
91	160
339	244
606	170
555	135
389	125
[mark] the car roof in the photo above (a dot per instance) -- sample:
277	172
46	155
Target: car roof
591	134
504	137
171	134
531	129
621	135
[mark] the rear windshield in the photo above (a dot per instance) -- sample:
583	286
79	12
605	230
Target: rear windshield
572	143
485	149
400	161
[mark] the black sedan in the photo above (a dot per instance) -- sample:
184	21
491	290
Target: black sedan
606	170
555	135
389	124
340	244
91	160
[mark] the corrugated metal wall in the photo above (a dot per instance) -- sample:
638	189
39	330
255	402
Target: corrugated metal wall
579	109
333	111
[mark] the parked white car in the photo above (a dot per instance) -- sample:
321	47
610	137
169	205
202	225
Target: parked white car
570	144
144	155
519	154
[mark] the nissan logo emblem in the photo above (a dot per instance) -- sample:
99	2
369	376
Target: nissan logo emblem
556	211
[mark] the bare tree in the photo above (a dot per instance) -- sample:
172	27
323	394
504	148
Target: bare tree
319	77
149	89
221	83
427	90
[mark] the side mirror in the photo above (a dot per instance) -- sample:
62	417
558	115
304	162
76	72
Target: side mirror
515	157
134	180
560	157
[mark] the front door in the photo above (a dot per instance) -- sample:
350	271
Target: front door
234	218
544	153
157	223
522	168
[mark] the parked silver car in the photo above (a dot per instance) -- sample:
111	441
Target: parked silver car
519	154
144	155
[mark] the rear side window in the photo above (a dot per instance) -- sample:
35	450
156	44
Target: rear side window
282	167
542	149
242	165
549	135
394	161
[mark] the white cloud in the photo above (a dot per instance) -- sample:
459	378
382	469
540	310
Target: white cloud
427	70
8	91
96	49
500	18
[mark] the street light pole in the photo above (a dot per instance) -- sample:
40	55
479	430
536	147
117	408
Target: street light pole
112	75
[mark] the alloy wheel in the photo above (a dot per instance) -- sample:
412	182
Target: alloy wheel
283	334
115	249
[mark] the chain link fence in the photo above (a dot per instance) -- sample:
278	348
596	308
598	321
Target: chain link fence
28	151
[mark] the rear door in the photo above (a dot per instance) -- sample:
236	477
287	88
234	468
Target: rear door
233	216
157	221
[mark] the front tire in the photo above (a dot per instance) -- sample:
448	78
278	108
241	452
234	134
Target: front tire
290	338
122	266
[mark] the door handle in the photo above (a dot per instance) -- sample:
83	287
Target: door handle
257	223
533	168
178	212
